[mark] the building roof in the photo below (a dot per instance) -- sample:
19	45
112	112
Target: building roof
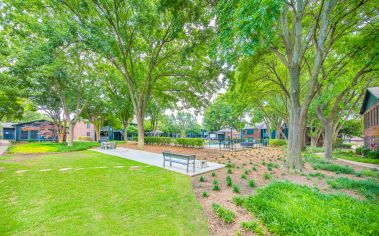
8	125
372	92
33	121
261	125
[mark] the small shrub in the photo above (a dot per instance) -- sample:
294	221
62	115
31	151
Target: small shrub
252	227
277	142
225	214
254	168
213	174
267	176
216	185
236	189
202	179
229	165
251	183
374	154
359	151
370	173
269	168
205	194
229	181
243	176
272	165
230	171
365	152
238	201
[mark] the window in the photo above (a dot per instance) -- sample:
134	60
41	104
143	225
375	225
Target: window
88	125
34	134
24	134
88	134
250	132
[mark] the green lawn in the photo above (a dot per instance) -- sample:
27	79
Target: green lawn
352	157
45	147
131	200
290	209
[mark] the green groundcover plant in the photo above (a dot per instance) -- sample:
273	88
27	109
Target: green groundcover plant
290	209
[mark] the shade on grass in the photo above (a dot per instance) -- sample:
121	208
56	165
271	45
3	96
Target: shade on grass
95	201
290	209
45	147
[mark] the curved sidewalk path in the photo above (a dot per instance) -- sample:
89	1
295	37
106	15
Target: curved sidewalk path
156	159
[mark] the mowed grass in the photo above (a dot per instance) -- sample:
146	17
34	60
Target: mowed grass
290	209
45	147
99	199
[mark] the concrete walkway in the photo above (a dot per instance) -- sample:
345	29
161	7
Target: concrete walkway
156	159
4	144
363	164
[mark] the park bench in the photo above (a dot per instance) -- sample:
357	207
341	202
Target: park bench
180	159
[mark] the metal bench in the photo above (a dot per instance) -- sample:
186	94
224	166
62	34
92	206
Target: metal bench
179	158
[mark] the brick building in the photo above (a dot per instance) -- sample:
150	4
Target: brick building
370	111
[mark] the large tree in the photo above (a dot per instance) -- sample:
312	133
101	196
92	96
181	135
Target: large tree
302	34
152	44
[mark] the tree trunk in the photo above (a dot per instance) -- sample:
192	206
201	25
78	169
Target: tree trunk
125	131
277	133
296	123
141	133
70	137
295	141
328	139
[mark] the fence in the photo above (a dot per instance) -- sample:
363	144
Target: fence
236	144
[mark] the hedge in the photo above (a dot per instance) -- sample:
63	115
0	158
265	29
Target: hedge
190	142
158	140
277	142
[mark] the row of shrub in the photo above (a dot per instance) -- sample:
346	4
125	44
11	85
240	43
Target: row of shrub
367	152
185	142
277	142
190	142
158	140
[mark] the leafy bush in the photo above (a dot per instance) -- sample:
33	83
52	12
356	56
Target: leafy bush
230	171
243	176
252	227
227	215
277	142
374	154
365	152
359	151
277	205
213	174
229	165
190	142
